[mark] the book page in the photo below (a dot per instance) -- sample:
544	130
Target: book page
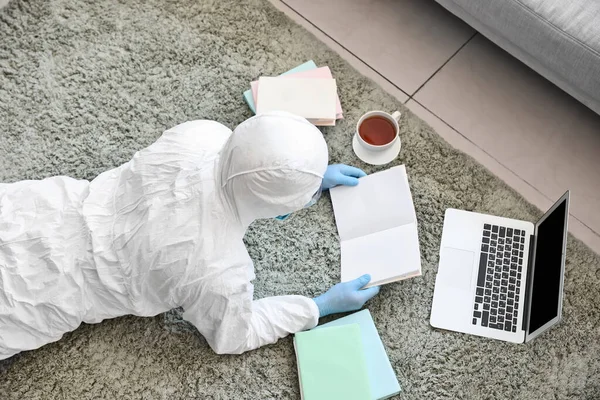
387	256
380	201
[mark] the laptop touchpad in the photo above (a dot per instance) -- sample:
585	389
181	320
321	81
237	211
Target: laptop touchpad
457	268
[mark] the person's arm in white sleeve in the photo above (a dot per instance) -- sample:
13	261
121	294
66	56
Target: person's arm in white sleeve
197	136
223	310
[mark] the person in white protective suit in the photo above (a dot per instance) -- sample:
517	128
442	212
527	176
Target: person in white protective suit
165	230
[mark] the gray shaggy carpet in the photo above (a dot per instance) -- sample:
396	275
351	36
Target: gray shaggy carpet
84	84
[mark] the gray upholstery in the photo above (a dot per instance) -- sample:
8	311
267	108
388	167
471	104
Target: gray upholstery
560	39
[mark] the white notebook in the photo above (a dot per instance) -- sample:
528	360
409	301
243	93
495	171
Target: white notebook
377	225
313	99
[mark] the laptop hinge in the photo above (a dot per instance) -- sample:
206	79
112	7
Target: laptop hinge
525	324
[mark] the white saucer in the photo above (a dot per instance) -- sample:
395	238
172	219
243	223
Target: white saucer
376	157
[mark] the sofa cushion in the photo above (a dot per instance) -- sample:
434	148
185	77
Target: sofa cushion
575	18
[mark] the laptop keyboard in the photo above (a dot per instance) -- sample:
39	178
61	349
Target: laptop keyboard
499	281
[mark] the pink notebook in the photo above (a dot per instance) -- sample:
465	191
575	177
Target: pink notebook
323	72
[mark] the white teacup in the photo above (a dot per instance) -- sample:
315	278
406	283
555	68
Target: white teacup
393	118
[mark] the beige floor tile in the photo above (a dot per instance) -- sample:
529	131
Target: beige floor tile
361	66
504	128
544	136
404	40
530	193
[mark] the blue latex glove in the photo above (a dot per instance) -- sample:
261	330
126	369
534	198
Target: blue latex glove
346	296
340	174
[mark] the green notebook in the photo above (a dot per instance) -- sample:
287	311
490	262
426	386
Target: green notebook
331	364
382	377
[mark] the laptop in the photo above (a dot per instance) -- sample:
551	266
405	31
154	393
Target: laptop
501	278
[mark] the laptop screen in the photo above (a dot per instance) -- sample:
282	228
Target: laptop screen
547	274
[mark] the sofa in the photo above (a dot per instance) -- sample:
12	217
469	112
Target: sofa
560	39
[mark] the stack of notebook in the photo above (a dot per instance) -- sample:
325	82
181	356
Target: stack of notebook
307	91
344	359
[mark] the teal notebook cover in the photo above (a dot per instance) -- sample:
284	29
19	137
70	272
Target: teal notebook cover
331	364
383	381
303	67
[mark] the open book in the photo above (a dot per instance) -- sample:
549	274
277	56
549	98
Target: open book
377	225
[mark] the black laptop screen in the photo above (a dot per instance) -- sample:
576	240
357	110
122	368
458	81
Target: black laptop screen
545	295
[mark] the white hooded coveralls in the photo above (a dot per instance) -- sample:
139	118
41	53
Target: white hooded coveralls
162	231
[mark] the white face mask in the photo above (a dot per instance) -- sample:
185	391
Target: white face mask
312	202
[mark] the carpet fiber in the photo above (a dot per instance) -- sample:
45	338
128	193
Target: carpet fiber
84	84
